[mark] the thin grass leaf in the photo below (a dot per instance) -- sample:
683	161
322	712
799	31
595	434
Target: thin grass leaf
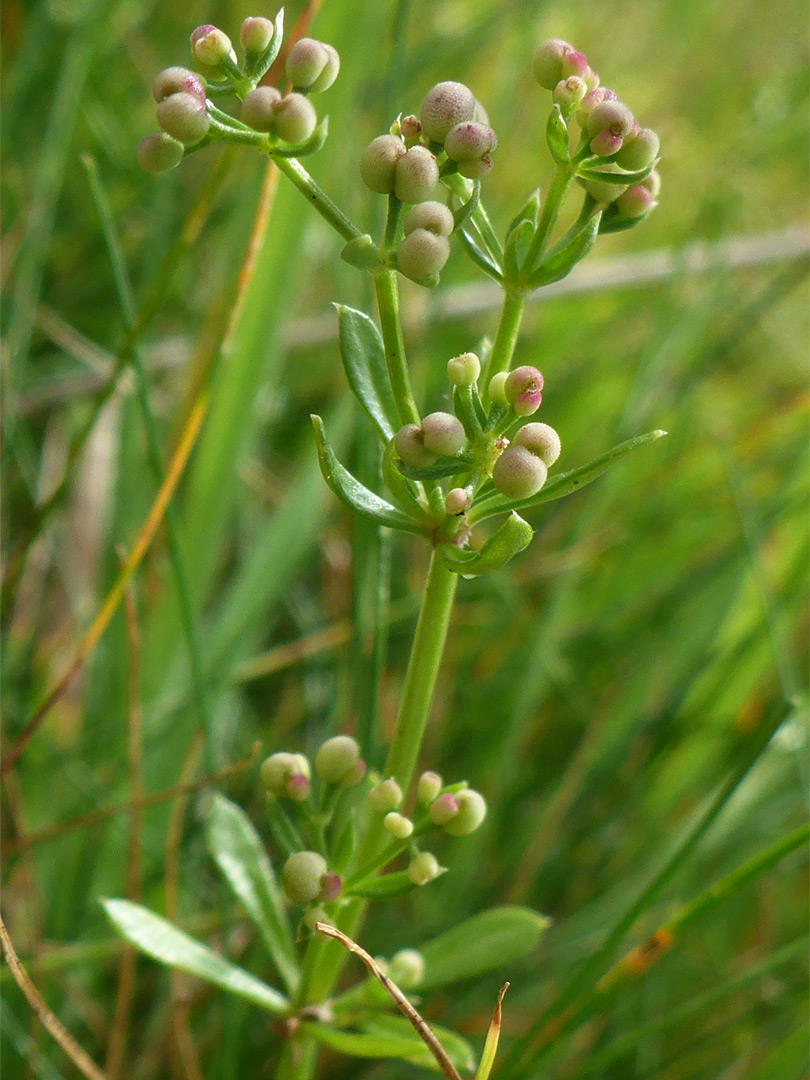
492	1040
157	938
237	850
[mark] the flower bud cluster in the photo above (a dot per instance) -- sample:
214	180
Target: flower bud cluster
439	435
450	116
291	118
181	113
312	66
522	469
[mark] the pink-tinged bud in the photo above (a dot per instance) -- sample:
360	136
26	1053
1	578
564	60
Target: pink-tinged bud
298	787
523	390
603	192
541	440
159	152
472	809
378	163
443	434
469	141
444	809
593	98
464	370
433	216
574	63
336	757
409	127
295	118
256	35
570	91
445	105
518	474
210	45
416	175
409	443
398	825
639	150
652	183
636	201
606	143
423	868
178	80
612	116
259	108
386	796
475	170
548	61
330	888
183	116
407	968
591	80
497	388
428	787
355	774
312	65
301	876
422	254
457	502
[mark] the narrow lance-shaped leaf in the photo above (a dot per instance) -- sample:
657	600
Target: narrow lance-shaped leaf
517	244
157	938
236	848
457	1048
363	355
380	1042
384	887
511	538
491	940
492	1040
605	177
557	136
561	262
564	484
448	466
354	494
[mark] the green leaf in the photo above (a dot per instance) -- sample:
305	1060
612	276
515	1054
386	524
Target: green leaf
384	887
361	252
157	938
363	355
354	494
565	483
517	244
486	942
461	213
444	467
562	260
530	211
610	177
238	852
493	1038
613	222
480	258
557	136
402	489
392	1037
512	537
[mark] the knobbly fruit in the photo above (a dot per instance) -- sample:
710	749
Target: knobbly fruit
422	254
295	118
433	216
176	80
159	152
445	105
183	116
541	439
472	809
518	473
416	175
378	163
259	108
443	434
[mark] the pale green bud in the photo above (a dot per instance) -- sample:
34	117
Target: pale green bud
428	786
472	809
518	474
210	46
256	35
398	825
378	163
443	434
496	391
159	152
423	867
301	876
407	968
336	758
386	796
457	502
433	216
183	116
464	370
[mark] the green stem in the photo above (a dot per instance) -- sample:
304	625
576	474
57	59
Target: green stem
387	292
503	348
548	217
315	196
423	669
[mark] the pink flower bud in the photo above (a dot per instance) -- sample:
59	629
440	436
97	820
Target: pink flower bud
636	201
297	787
428	787
256	35
210	45
464	370
444	809
259	108
378	163
295	118
541	440
433	216
548	61
183	116
330	888
612	116
178	80
416	175
445	105
469	141
639	150
591	100
159	152
518	473
443	434
421	255
574	63
457	502
523	390
606	143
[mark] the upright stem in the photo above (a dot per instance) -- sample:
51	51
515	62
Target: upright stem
423	669
552	205
387	292
503	348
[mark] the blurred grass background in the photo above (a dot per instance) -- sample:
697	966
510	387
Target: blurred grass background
599	692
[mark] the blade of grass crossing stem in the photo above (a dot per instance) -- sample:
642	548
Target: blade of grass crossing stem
128	309
492	1040
521	1055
